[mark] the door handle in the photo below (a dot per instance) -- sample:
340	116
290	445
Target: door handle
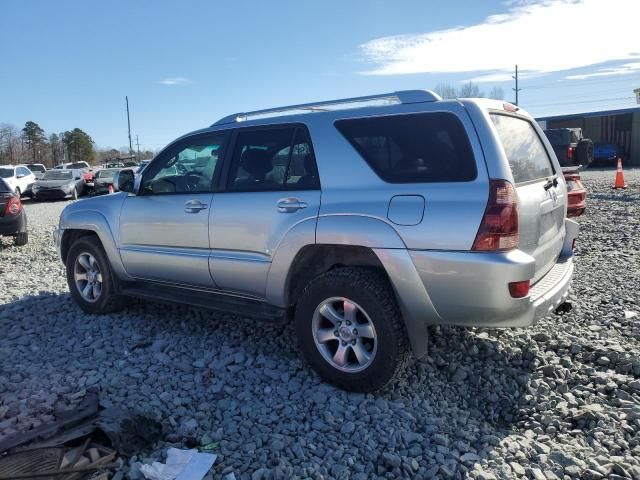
290	205
194	206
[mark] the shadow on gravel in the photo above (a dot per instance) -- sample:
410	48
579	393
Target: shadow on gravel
243	383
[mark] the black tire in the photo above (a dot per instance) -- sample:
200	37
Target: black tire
108	301
21	239
18	192
74	194
371	291
584	152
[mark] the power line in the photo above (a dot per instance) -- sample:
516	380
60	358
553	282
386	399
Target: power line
577	83
580	102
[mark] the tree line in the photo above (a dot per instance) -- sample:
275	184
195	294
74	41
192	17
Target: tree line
31	145
467	90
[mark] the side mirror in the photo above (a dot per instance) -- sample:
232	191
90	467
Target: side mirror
124	181
77	178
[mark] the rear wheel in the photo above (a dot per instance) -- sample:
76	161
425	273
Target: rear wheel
90	279
21	239
350	329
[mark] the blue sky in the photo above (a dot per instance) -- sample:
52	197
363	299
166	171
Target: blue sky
69	63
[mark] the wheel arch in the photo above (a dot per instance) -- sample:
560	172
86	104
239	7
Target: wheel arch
83	223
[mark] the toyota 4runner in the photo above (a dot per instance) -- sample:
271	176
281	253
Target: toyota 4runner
362	220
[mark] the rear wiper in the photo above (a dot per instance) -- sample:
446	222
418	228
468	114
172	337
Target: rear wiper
551	183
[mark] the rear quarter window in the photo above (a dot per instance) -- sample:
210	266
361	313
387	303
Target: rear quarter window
523	147
413	148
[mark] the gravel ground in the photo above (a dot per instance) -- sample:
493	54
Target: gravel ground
558	400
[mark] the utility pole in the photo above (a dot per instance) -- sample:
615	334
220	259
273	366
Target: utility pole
138	145
129	126
516	89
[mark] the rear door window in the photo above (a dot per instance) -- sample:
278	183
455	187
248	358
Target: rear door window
413	148
269	159
525	151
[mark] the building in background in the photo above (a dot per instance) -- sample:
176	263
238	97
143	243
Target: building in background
619	127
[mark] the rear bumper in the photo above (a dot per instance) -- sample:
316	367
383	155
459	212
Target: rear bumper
576	202
50	194
471	288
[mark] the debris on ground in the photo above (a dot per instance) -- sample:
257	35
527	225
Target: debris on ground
180	465
77	463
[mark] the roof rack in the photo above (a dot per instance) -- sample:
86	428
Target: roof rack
403	97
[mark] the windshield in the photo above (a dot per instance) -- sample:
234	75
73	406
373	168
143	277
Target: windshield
36	168
4	187
6	172
106	173
57	175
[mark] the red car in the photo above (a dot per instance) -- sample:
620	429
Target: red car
577	193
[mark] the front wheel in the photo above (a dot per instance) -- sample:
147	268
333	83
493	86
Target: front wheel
350	329
89	277
74	194
18	192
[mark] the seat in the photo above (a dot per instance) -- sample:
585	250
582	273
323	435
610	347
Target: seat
310	177
257	163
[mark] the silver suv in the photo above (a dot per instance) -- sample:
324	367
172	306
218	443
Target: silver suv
361	220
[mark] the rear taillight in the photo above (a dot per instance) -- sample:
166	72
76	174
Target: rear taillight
519	289
13	207
499	227
570	153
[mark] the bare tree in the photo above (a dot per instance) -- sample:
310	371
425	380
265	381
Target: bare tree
445	90
470	90
9	144
497	93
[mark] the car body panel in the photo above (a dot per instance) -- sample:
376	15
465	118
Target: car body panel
247	229
160	240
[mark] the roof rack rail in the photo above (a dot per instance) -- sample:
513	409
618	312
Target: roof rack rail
403	96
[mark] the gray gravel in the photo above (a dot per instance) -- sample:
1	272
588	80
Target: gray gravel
558	400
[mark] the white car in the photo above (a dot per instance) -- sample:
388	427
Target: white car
19	178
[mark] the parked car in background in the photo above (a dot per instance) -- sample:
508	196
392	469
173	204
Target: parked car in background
433	212
114	165
570	147
104	180
13	219
37	169
89	178
19	178
58	184
576	192
606	154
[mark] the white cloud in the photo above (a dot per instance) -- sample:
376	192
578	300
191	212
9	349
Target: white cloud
541	37
176	81
605	72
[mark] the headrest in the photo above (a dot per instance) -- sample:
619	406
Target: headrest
256	161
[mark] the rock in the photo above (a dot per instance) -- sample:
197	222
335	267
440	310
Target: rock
391	459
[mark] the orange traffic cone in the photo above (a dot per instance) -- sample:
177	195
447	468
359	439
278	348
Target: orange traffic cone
619	176
111	186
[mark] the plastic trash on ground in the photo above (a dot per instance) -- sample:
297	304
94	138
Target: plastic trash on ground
180	465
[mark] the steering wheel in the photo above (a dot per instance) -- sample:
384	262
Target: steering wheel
194	181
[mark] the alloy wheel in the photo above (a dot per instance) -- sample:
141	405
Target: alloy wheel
344	334
88	277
